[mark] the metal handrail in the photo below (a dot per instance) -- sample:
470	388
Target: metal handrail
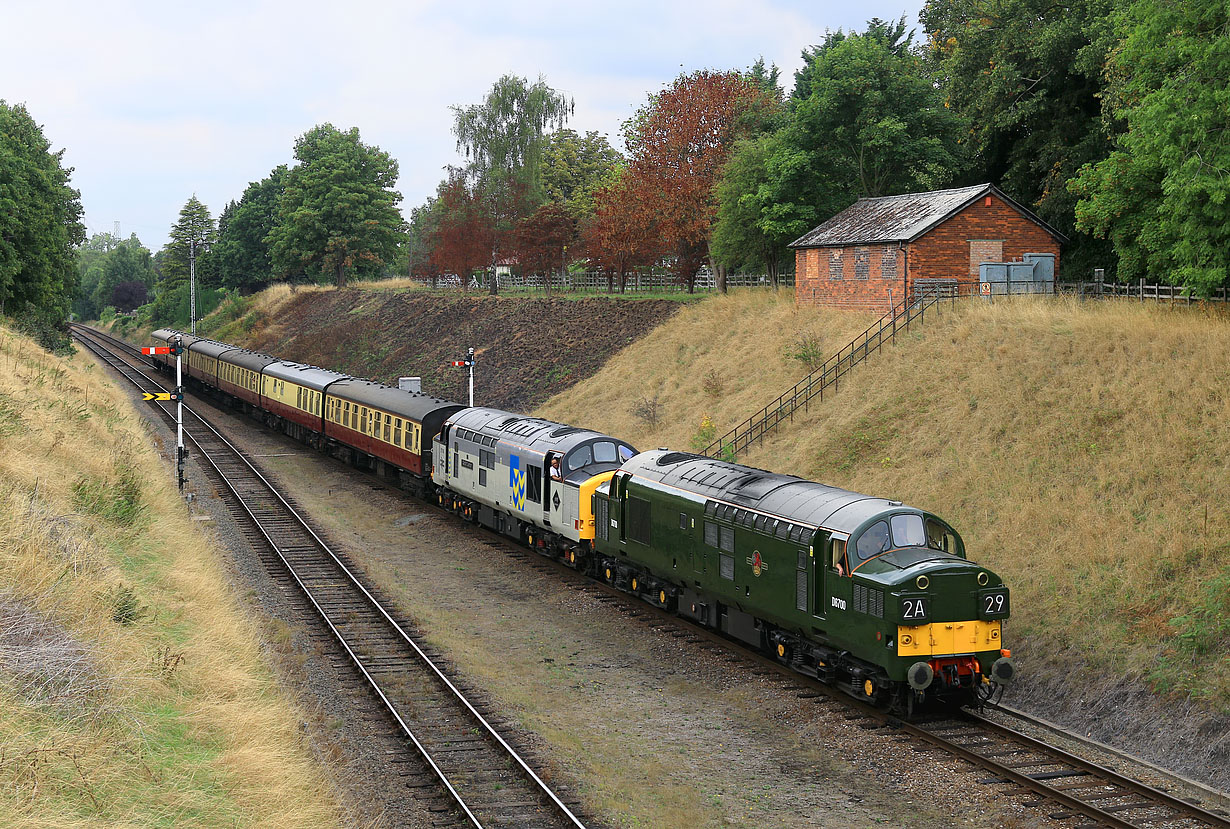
899	317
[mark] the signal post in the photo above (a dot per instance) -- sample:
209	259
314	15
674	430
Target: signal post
176	347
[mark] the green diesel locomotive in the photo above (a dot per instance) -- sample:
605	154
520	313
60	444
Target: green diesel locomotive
863	592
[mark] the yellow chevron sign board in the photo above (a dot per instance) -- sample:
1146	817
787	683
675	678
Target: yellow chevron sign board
162	395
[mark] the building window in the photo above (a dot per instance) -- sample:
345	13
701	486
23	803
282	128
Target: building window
862	263
888	263
835	264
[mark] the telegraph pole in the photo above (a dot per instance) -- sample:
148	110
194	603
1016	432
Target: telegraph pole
191	289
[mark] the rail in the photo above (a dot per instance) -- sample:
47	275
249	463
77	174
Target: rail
902	315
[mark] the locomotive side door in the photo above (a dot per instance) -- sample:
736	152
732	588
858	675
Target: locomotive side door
834	568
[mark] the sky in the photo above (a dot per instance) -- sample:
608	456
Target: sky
153	102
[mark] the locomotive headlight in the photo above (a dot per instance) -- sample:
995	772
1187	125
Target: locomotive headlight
923	582
983	578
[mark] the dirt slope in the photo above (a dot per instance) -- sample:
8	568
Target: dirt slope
528	348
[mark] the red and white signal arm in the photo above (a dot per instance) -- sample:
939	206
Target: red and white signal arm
462	363
156	349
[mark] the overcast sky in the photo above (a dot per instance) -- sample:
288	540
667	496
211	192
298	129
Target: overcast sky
155	101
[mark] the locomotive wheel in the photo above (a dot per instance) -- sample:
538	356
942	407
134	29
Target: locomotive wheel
634	583
662	597
608	574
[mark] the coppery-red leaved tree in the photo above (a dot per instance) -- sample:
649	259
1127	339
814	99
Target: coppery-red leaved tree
678	143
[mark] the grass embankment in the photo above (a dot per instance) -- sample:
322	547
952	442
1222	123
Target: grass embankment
1083	451
720	360
132	691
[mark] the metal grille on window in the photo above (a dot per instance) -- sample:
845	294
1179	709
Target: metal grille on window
876	603
800	590
862	263
726	565
888	263
711	534
835	264
482	477
728	539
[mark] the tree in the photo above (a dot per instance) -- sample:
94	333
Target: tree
128	263
243	253
543	240
338	210
1027	76
621	234
866	121
192	234
1162	196
677	145
574	166
458	243
40	221
503	138
504	134
746	234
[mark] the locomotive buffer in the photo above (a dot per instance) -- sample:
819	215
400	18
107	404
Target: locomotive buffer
175	347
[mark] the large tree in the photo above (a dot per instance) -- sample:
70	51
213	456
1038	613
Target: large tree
866	120
243	252
574	166
1027	76
544	241
192	235
128	264
678	143
40	220
621	235
338	211
503	138
1163	195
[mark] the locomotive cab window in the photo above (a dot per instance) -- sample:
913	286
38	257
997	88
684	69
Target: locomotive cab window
837	560
874	540
579	457
908	531
941	537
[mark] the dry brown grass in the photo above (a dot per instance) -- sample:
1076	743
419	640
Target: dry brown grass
142	698
724	357
1077	447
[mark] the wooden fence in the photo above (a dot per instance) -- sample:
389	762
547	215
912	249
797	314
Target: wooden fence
596	282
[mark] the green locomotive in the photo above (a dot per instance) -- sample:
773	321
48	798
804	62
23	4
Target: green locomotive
859	591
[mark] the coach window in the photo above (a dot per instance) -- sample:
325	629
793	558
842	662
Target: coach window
346	414
388	425
397	431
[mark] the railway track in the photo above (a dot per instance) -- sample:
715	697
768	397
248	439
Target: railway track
482	779
1062	785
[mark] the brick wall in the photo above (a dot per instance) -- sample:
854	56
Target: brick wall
856	277
943	253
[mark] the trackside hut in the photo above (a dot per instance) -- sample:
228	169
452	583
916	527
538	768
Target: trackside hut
878	249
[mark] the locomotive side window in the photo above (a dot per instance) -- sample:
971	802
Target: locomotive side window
838	560
908	531
874	540
939	537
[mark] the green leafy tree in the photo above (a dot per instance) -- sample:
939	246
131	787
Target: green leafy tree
1162	196
40	224
1027	76
866	120
243	254
192	234
574	166
338	211
128	263
746	234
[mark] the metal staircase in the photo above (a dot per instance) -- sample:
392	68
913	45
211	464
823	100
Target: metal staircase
899	319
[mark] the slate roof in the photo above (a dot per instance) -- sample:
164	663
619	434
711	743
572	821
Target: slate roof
904	218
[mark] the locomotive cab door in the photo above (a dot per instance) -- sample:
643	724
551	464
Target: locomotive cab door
833	585
552	491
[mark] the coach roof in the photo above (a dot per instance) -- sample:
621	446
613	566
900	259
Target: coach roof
311	377
414	405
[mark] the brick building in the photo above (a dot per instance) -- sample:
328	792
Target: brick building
877	249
